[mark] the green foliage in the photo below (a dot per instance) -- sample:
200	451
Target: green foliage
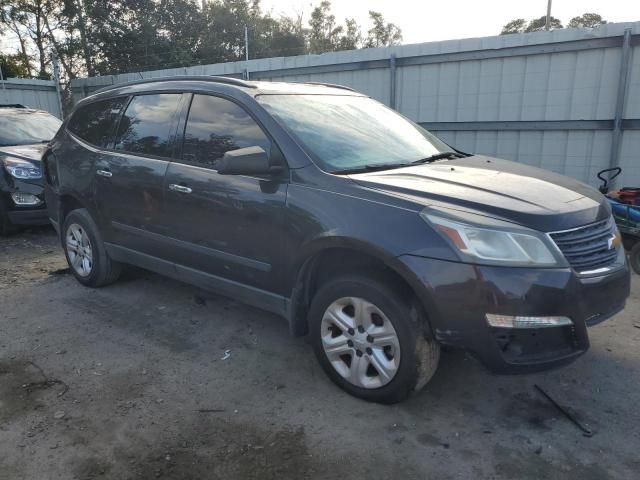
590	20
99	37
514	26
382	34
520	25
13	66
538	24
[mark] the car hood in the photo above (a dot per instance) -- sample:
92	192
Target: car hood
501	189
33	153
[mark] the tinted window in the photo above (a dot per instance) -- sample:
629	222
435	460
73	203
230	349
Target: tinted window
215	126
94	123
147	125
24	127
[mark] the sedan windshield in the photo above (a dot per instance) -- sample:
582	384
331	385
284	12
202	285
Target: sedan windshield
27	127
346	133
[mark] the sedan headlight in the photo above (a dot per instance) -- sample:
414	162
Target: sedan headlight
499	243
21	169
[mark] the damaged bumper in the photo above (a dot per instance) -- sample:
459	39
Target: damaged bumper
459	296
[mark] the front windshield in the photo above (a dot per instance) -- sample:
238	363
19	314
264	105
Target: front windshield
343	133
27	127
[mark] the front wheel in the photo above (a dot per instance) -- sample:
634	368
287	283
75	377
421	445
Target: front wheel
369	339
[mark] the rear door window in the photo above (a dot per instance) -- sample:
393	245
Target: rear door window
95	123
148	125
215	126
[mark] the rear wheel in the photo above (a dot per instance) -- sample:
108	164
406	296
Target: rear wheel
88	260
369	339
634	257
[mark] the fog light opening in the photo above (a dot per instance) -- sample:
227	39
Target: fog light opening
25	199
511	321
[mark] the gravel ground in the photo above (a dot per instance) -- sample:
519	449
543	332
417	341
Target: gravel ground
132	382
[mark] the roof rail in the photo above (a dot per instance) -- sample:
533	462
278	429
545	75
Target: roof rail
12	105
332	85
206	78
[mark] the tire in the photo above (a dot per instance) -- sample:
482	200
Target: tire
634	257
101	270
409	361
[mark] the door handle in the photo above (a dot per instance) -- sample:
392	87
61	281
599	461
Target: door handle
104	173
179	188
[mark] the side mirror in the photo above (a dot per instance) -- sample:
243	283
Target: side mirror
246	161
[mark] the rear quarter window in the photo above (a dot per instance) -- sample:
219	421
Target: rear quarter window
95	123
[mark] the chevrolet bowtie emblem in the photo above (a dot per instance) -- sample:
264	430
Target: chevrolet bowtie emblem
614	241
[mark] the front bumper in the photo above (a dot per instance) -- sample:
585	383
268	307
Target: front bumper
33	216
458	296
24	215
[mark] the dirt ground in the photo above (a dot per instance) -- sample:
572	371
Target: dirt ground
132	382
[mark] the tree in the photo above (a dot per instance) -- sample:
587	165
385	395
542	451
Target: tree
283	37
590	20
324	35
520	25
539	24
13	66
99	37
26	18
382	34
514	26
352	38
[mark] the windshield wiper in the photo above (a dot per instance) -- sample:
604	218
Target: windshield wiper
439	156
370	168
389	166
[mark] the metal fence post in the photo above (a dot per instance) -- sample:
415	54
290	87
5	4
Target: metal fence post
616	135
392	82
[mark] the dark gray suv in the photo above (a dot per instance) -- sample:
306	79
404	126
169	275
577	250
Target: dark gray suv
359	227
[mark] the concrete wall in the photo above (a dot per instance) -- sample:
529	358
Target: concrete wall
40	94
551	99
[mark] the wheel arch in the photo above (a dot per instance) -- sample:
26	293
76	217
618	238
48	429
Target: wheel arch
336	255
67	202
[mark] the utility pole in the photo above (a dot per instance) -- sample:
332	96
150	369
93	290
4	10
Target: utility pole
4	87
246	50
56	79
547	24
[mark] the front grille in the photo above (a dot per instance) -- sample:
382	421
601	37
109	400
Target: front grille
587	248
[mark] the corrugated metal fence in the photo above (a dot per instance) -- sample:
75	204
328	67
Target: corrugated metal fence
565	100
40	94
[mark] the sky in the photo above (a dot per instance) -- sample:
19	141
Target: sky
425	20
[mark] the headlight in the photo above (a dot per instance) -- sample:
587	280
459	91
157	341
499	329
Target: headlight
500	243
21	169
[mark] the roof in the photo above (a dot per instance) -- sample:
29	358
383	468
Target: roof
250	87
